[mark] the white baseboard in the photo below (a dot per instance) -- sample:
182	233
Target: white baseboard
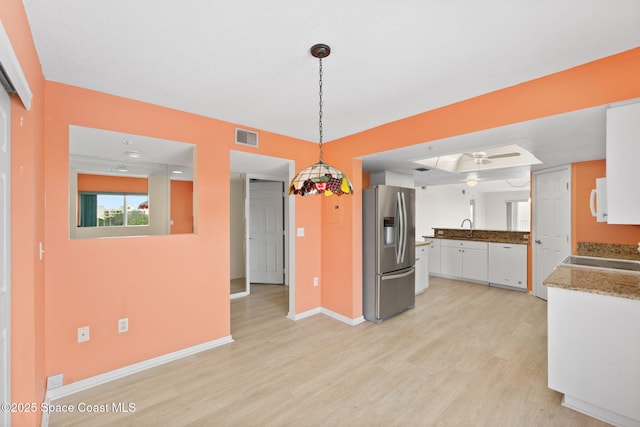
344	319
598	413
88	383
305	314
238	295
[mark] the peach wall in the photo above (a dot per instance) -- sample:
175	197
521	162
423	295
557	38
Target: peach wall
181	207
27	226
115	184
175	288
585	228
308	252
342	246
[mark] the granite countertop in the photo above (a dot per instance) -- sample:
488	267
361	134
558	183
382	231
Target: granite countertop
597	281
496	236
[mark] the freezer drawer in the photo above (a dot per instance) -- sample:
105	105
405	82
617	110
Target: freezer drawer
394	293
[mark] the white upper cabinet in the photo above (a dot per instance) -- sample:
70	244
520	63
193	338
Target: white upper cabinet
391	178
623	161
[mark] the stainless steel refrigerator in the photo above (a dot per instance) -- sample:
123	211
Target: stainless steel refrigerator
388	238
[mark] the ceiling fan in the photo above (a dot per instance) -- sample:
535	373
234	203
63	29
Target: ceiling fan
481	158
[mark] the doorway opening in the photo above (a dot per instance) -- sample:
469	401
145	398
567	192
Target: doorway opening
518	215
261	220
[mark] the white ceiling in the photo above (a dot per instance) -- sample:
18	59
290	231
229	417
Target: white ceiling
248	61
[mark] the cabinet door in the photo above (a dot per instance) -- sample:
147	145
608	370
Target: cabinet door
451	261
622	153
421	268
434	256
474	264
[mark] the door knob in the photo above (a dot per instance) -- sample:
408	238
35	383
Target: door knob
539	242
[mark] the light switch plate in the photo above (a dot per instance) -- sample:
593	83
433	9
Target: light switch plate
123	325
300	232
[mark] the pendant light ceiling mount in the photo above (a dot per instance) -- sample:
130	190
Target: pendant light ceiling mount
320	50
320	178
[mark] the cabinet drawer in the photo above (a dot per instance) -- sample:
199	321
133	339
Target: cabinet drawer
465	244
435	243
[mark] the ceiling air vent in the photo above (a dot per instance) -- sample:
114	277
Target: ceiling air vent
246	137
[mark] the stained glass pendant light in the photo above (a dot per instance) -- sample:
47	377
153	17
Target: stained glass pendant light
320	178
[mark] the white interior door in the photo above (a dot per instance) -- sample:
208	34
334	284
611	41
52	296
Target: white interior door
552	223
266	232
5	255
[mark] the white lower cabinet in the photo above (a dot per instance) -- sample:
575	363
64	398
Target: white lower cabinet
450	261
474	264
593	352
464	259
422	268
508	265
434	255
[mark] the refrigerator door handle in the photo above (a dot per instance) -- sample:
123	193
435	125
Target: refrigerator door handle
404	212
404	227
398	276
398	228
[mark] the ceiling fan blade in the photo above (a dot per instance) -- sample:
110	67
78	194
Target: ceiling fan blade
502	156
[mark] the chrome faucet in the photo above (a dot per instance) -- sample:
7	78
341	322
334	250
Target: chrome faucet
470	226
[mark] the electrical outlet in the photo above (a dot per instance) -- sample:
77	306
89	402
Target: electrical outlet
123	325
315	281
83	334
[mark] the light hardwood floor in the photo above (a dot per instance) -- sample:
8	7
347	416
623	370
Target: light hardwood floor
467	355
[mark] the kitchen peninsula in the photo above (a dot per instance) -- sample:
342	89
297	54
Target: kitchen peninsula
489	257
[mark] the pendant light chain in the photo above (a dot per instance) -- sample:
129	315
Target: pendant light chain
320	114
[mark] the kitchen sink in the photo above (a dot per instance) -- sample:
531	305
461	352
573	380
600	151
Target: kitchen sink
606	263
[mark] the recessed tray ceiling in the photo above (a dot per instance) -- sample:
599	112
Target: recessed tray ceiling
506	156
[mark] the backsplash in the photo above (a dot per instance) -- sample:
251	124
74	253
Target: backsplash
608	250
482	235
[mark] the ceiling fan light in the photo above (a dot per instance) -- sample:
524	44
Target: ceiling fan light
471	182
